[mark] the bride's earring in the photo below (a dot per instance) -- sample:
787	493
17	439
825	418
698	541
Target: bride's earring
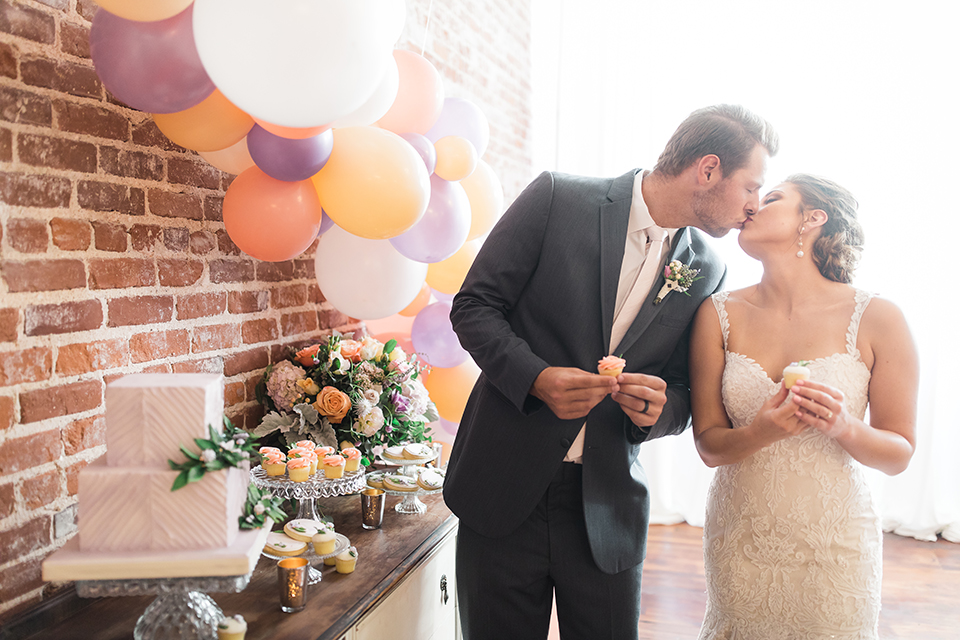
800	242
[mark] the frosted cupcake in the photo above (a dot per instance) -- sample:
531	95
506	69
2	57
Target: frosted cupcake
298	469
306	454
305	444
795	371
352	457
325	539
274	450
347	561
324	451
234	628
273	463
333	466
611	366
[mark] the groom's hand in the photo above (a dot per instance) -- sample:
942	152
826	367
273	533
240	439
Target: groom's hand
570	392
641	397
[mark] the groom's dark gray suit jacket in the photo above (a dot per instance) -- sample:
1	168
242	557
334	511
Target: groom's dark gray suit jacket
541	293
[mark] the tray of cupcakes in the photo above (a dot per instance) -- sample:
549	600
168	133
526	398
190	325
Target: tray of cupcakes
315	540
307	466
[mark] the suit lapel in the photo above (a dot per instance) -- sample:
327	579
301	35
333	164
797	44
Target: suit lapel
614	216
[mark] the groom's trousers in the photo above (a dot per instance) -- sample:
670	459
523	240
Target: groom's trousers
505	585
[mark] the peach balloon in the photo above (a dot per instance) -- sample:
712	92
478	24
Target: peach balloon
269	219
235	159
422	300
485	194
447	275
450	388
374	185
144	10
215	123
403	340
456	158
419	96
293	133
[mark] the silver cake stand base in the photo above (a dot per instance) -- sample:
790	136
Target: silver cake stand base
181	611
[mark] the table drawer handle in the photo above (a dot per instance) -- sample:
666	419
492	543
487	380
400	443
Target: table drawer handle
443	589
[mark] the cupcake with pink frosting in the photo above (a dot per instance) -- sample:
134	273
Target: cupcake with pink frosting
352	457
611	366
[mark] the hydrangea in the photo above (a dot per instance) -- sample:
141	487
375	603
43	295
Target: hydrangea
282	385
418	396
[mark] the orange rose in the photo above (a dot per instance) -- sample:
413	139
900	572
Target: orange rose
333	403
305	356
350	349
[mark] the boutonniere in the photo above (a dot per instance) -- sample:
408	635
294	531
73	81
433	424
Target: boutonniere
679	278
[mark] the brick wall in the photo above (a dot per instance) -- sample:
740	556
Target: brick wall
115	260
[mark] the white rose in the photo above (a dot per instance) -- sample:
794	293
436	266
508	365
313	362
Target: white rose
344	363
371	348
370	420
397	354
208	455
371	396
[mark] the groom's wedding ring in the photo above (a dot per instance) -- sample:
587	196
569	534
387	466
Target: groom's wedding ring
646	405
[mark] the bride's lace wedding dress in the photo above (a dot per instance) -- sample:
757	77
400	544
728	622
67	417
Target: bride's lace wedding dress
792	541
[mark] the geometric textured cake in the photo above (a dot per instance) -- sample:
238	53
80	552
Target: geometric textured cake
126	504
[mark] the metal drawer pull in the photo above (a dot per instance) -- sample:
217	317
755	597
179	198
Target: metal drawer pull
443	589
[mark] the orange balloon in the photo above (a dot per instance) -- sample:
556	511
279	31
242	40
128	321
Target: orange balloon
374	185
269	219
235	159
485	194
450	388
447	275
293	133
150	11
419	97
422	300
456	158
216	123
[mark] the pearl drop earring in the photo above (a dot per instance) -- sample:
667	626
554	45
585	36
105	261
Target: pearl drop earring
800	252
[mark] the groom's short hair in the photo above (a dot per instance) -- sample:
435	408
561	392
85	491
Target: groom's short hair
728	131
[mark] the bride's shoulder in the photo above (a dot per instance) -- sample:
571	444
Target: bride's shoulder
739	297
880	313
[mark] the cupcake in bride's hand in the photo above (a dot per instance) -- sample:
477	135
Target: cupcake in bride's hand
611	366
795	371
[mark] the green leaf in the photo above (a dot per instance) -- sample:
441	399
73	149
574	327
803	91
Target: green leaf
215	465
205	444
227	423
180	481
388	348
195	473
189	454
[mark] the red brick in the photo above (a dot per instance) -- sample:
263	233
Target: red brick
66	317
73	474
8	61
143	237
69	234
249	417
122	312
91	120
222	271
35	190
108	236
213	208
7	412
303	269
29	451
121	273
247	301
6	145
225	244
28	235
250	385
25	539
203	365
7	499
43	275
246	361
75	39
25	365
215	337
193	173
274	271
20	579
131	164
296	323
57	153
261	330
64	400
62	5
233	393
292	296
39	491
148	135
314	295
84	434
60	75
202	242
74	359
109	196
169	204
156	345
179	273
331	318
25	107
162	367
201	305
9	319
176	238
27	22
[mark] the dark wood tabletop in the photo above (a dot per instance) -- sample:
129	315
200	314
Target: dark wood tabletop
334	605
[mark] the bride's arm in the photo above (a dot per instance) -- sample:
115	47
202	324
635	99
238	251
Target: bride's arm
716	441
888	442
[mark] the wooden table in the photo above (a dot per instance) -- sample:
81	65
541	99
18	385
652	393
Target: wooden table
333	606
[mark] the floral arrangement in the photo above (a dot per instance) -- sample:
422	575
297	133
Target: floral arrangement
232	448
679	278
258	507
361	392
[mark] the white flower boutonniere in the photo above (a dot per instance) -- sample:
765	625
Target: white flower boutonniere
679	278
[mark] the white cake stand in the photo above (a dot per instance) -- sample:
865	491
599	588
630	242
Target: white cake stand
305	493
410	505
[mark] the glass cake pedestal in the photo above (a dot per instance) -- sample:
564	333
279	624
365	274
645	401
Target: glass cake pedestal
410	505
314	575
306	493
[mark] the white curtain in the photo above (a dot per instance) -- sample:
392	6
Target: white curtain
861	92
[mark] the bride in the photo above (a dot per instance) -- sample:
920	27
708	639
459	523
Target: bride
792	540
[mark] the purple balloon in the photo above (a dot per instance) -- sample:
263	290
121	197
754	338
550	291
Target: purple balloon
441	296
443	228
287	159
433	337
150	66
424	147
325	223
462	118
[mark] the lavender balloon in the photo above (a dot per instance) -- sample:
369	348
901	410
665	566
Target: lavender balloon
150	66
424	147
441	296
287	159
325	223
443	228
434	339
462	118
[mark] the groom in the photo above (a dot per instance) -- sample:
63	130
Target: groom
544	473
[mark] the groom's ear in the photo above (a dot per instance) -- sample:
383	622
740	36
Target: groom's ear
708	170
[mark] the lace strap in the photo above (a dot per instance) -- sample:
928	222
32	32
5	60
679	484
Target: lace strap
719	300
861	300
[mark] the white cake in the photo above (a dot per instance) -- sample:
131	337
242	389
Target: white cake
126	504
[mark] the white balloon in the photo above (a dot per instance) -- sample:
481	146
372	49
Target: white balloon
297	63
378	103
365	279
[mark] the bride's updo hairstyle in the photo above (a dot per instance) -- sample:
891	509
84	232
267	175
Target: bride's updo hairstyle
837	251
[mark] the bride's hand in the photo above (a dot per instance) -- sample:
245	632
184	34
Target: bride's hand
777	418
822	407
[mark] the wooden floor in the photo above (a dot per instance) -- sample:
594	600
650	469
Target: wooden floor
920	601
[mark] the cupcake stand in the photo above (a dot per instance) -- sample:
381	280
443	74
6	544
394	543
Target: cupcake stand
410	504
306	493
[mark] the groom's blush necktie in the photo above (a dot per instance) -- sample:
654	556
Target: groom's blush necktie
629	304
